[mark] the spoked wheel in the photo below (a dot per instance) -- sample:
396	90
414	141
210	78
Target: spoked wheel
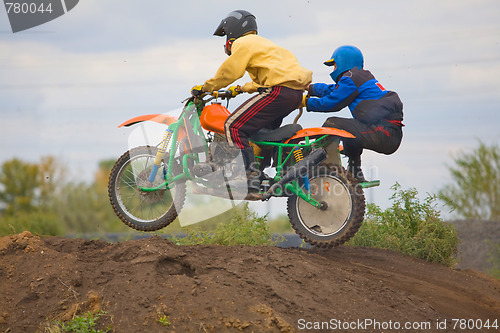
141	210
342	212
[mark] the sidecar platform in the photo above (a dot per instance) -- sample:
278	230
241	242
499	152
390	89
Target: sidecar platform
369	184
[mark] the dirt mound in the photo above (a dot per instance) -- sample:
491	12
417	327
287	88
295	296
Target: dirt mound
232	289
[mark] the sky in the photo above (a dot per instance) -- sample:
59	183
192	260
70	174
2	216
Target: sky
67	84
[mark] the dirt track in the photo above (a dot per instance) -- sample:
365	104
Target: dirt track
232	289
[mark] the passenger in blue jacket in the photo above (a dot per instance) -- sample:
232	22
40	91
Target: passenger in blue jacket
377	113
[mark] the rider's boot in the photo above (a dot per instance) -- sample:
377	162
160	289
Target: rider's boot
265	161
251	178
354	167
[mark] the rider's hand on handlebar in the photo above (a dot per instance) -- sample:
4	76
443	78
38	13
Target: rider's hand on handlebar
234	90
197	90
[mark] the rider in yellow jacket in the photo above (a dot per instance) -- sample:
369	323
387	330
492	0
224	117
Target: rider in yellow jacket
267	64
276	74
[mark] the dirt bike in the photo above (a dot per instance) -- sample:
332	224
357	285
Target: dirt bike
325	203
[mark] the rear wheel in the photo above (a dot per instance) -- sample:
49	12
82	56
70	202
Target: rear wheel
342	212
141	210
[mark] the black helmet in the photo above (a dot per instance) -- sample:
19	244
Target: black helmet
235	25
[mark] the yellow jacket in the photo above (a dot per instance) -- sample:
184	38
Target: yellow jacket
267	64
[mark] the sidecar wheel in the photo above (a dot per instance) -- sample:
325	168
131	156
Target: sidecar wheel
140	210
340	217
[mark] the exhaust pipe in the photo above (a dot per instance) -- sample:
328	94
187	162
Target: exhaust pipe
298	170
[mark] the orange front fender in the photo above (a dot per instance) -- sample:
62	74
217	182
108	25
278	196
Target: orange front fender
320	131
158	118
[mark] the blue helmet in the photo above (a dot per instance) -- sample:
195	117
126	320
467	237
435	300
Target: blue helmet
345	58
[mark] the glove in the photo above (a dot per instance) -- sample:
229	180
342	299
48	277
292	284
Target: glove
197	90
235	90
304	101
309	88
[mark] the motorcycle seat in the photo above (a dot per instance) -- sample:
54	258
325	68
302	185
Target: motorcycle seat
276	135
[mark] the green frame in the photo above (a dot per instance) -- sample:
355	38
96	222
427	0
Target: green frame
191	118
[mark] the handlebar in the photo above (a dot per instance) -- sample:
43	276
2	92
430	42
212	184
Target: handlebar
222	94
218	94
226	94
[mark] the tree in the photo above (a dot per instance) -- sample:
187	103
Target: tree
85	208
52	175
37	197
27	191
20	181
475	192
27	186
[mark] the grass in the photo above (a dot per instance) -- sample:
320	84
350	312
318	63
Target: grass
244	228
79	324
164	320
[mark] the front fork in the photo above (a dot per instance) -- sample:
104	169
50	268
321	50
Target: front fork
169	141
170	134
162	149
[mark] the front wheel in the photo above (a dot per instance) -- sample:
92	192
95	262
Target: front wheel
141	210
340	217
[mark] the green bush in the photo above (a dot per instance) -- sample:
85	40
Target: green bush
245	228
36	221
410	227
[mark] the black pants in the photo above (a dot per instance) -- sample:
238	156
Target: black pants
265	110
384	137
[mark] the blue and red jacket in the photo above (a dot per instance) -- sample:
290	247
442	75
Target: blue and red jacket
358	89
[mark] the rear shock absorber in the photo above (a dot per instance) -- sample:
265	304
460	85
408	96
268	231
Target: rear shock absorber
162	149
299	156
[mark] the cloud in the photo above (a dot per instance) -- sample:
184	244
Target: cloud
67	84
